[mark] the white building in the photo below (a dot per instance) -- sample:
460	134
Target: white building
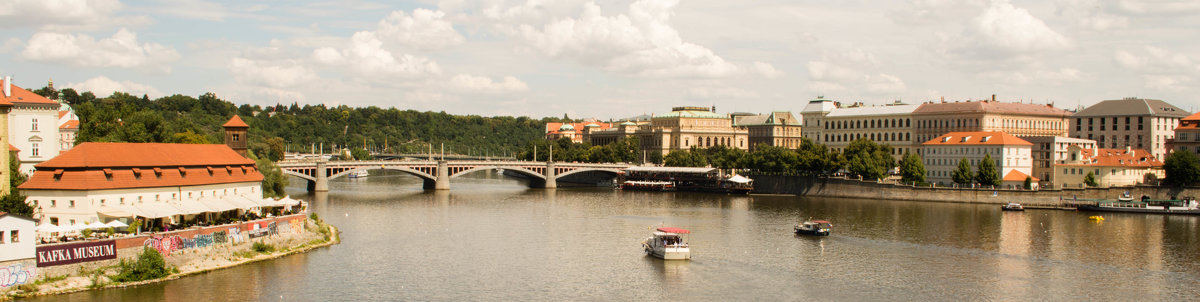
828	123
33	128
1109	167
17	236
152	181
1051	150
68	128
1012	155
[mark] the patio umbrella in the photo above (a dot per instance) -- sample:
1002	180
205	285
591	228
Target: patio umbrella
49	228
96	225
116	224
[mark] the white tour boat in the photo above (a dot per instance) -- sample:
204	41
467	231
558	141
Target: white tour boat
667	244
359	174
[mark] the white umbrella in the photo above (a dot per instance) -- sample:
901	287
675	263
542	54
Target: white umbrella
116	224
96	225
49	228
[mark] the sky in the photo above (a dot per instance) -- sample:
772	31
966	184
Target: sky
609	59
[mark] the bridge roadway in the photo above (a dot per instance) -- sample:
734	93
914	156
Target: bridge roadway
437	174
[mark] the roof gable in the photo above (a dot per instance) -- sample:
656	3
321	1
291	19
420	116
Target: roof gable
1133	106
235	122
978	138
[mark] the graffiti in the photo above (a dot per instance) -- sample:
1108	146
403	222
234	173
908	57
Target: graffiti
234	236
203	240
297	225
164	245
273	228
16	274
219	237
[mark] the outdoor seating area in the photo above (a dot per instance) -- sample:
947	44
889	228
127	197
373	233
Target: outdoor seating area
168	216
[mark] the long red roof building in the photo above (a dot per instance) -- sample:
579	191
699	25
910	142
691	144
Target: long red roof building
97	166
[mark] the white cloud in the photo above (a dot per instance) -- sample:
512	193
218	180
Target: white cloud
1169	82
475	84
423	30
121	50
282	74
640	42
1037	76
1091	14
885	84
366	58
1158	7
1155	59
102	86
61	14
1003	32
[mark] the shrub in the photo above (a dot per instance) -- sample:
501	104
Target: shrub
133	227
86	232
149	265
263	248
110	231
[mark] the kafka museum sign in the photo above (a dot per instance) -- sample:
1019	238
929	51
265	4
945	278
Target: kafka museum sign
76	253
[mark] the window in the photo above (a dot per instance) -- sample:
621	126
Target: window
34	127
72	205
236	137
54	220
34	150
15	237
53	203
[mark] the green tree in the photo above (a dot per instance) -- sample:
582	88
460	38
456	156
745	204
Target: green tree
685	158
149	265
869	160
275	148
1029	182
771	159
274	181
1183	168
912	170
189	137
1090	180
963	175
360	154
987	172
817	160
14	201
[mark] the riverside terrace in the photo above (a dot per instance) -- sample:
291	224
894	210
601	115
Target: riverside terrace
437	174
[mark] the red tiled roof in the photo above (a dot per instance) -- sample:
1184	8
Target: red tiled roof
71	124
62	113
989	106
553	127
12	148
116	155
22	96
236	122
118	178
1189	122
1015	175
1118	158
976	138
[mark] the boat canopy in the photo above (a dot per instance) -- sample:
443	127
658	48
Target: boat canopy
674	230
740	179
821	221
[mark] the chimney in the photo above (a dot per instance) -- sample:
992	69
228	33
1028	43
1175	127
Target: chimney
7	86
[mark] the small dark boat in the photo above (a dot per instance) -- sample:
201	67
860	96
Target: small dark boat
814	228
1012	206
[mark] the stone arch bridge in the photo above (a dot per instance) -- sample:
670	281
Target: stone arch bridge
437	174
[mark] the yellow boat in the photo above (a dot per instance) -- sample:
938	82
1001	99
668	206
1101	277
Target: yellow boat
1096	218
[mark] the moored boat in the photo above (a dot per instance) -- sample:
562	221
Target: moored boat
666	243
359	174
814	227
1187	206
645	185
1012	206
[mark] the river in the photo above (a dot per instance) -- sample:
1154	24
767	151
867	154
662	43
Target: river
492	238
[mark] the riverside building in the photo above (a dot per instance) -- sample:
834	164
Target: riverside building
778	128
1018	119
827	122
1129	122
1051	150
1109	167
681	129
1187	135
1012	155
32	126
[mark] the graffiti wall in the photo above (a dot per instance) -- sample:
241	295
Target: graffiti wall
16	274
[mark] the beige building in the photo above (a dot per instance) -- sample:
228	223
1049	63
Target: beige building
1019	119
1187	135
1129	122
1012	155
573	131
1111	167
1051	150
682	128
827	122
778	128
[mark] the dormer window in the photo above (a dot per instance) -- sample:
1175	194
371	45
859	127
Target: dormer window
986	138
945	139
108	174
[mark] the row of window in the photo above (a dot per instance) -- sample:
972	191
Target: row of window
14	236
886	137
869	124
157	197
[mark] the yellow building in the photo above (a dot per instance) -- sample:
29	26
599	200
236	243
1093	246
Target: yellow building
778	128
681	129
1187	135
1110	167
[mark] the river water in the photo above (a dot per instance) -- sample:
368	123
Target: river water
492	238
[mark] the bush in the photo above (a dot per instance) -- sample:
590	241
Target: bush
263	248
110	231
86	232
133	227
149	265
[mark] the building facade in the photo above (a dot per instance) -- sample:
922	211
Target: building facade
1018	119
1109	167
17	237
1129	122
778	128
943	153
1187	136
1051	150
681	129
573	131
8	94
68	128
32	126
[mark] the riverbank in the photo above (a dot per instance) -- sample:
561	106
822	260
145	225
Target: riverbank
1046	198
182	261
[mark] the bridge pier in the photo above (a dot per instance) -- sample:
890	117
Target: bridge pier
443	176
322	182
551	178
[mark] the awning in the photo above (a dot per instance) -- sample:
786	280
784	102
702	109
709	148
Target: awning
190	207
50	228
241	202
287	201
740	179
96	225
218	205
120	211
674	230
116	224
158	210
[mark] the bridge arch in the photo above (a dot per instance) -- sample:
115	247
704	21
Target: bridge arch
298	174
407	170
581	170
522	170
